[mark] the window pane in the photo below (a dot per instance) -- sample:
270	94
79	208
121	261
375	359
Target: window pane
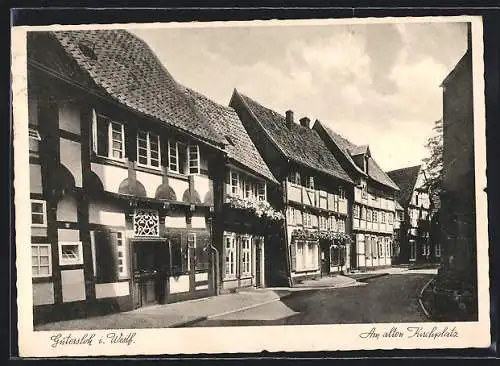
44	261
37	219
37	207
117	154
34	260
44	271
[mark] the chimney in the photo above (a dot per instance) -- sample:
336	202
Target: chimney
304	121
289	118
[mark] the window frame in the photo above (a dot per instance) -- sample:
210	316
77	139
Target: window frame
46	245
177	165
70	262
191	244
44	213
261	195
148	157
233	261
189	159
310	182
245	251
110	139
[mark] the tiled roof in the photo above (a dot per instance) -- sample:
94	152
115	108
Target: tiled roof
298	143
227	123
124	67
349	149
405	178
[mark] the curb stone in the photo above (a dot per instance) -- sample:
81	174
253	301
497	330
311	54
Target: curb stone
206	317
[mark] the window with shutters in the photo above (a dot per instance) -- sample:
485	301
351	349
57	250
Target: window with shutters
148	149
245	256
229	256
41	260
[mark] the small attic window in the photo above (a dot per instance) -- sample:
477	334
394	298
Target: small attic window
229	139
87	50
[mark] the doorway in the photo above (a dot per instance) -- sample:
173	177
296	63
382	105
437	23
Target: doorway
150	268
325	258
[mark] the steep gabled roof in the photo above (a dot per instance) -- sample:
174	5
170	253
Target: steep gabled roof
349	150
406	179
123	68
298	143
226	122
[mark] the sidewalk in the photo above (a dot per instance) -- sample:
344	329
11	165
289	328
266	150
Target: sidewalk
174	315
360	276
327	282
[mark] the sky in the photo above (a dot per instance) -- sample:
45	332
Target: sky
375	84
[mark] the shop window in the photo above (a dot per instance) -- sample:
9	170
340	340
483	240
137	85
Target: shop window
38	213
146	223
229	256
246	254
70	253
41	260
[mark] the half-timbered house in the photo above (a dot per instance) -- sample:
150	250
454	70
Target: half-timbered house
373	206
314	193
121	174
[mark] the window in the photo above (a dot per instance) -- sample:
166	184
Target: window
341	193
291	216
380	247
38	213
246	253
70	253
261	191
146	223
229	256
117	140
34	140
322	223
369	215
121	250
173	156
194	159
355	211
310	182
363	213
374	246
400	215
148	149
375	216
390	218
235	184
41	262
388	248
108	137
298	217
191	244
332	223
248	188
341	225
307	219
382	217
437	250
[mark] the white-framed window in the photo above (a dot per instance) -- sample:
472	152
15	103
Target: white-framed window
323	223
300	255
194	159
374	246
291	216
298	217
235	190
363	213
375	216
148	149
229	256
332	223
116	138
38	213
390	218
341	225
246	256
122	253
341	193
368	215
310	182
173	156
388	247
70	253
261	191
191	243
307	219
248	188
356	211
41	260
380	243
437	250
382	217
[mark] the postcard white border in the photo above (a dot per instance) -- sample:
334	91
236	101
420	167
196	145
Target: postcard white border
241	339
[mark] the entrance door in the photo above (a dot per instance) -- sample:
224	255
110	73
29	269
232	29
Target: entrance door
150	269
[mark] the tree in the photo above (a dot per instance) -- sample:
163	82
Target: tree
433	164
